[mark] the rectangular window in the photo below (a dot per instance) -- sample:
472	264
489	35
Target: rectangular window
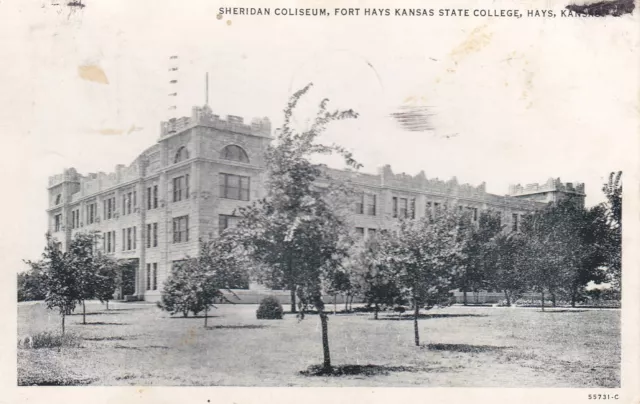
402	210
395	206
155	196
177	188
360	205
58	222
91	214
186	186
155	234
129	238
149	198
135	201
234	187
371	232
370	204
428	209
412	208
129	202
134	237
226	221
148	276
124	239
155	276
148	235
180	229
360	231
124	204
109	241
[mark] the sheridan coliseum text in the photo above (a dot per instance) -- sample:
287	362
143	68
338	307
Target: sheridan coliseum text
276	11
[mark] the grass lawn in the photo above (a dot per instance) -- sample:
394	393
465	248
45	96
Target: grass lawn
138	344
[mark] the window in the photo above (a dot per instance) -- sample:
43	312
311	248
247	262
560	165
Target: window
402	210
152	197
226	221
58	199
475	214
360	205
109	241
412	208
427	209
129	244
395	206
148	276
109	207
152	235
514	222
58	221
180	229
91	213
135	198
134	237
234	187
155	234
155	276
234	153
360	231
181	188
436	206
371	232
75	219
181	155
124	239
370	204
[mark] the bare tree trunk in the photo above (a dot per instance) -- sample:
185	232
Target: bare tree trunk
107	305
553	299
206	312
334	303
375	313
84	313
542	300
325	341
416	313
293	297
506	295
63	316
351	302
464	297
346	303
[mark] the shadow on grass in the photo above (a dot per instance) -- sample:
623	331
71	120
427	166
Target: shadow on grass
62	381
464	348
562	311
106	338
425	316
101	323
245	327
356	370
191	317
135	348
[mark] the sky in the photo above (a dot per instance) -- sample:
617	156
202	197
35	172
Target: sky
513	100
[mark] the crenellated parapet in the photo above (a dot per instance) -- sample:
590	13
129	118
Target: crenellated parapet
420	182
552	185
68	175
203	116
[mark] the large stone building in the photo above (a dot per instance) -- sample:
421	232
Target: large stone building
187	185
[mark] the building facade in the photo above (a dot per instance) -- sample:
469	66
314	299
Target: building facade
187	186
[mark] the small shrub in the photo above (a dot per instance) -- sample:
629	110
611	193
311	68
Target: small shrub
270	309
49	340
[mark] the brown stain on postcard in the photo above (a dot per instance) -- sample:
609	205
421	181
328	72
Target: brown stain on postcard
92	73
478	39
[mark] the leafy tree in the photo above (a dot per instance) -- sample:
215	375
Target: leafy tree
613	192
426	256
294	232
197	283
378	283
83	260
108	278
31	285
506	262
59	278
477	265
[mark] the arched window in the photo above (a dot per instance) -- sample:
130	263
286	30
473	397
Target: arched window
181	155
234	153
58	199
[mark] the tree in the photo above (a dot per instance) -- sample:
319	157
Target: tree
506	262
108	278
378	283
294	232
476	266
83	261
426	255
197	283
613	210
59	278
31	285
